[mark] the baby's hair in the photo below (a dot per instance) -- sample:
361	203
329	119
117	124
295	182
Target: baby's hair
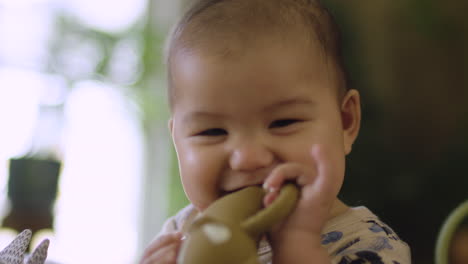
227	27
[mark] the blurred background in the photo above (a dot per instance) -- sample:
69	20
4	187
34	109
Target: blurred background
85	155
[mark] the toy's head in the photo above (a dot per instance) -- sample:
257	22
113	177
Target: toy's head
229	230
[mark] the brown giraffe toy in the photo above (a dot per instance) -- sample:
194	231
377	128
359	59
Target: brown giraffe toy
230	229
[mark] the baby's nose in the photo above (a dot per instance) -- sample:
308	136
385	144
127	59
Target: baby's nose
250	156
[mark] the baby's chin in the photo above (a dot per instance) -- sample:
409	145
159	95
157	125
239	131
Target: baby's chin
201	207
202	204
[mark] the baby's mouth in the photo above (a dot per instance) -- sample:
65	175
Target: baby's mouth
234	181
226	192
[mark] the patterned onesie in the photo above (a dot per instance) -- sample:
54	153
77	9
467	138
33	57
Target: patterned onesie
355	237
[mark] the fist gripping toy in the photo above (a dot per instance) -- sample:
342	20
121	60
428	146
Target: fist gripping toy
230	229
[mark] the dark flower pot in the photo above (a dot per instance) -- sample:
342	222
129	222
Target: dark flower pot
32	190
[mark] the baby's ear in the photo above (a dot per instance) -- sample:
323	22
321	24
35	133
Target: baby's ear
351	118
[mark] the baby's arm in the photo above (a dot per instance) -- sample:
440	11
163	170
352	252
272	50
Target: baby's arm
163	250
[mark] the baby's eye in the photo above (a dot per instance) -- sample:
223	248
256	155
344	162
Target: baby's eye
212	132
283	123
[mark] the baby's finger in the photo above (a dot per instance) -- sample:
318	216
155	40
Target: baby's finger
162	241
284	172
269	198
291	171
164	255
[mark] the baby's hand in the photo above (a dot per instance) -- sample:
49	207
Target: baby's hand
319	183
163	250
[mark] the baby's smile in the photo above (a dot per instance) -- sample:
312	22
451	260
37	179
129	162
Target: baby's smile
226	192
234	181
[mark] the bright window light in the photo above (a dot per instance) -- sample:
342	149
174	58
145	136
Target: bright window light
106	15
19	99
24	35
97	211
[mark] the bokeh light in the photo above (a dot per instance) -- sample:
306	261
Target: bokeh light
106	15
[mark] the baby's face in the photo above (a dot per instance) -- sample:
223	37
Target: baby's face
235	120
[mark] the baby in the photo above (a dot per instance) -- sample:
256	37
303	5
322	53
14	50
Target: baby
259	96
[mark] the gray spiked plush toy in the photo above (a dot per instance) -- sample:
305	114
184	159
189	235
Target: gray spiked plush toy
14	253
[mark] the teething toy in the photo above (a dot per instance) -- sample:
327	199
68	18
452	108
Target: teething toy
229	230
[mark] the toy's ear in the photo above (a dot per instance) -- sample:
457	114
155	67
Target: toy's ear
274	213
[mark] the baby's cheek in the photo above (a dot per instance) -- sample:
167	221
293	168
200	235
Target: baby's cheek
200	184
201	167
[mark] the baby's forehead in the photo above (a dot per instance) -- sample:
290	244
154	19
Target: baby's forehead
263	53
207	83
286	62
235	48
231	29
227	26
